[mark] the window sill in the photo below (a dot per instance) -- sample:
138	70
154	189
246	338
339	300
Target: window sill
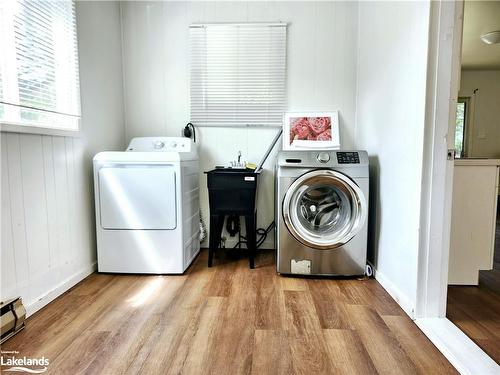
17	128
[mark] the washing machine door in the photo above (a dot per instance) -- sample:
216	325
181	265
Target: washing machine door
324	209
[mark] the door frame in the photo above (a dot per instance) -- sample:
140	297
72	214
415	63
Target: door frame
443	82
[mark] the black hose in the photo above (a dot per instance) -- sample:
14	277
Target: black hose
259	232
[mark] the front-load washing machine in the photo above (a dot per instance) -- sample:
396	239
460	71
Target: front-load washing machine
321	210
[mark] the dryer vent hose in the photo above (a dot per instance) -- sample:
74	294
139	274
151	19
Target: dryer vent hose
203	229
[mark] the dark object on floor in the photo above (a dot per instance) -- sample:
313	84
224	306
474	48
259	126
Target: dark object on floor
13	317
232	192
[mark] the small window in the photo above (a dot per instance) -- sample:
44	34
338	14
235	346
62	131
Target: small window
238	74
39	84
461	128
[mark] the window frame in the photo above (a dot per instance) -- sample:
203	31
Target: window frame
14	127
33	127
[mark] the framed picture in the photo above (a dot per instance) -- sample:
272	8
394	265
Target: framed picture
311	131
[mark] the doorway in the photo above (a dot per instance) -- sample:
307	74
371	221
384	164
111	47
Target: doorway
475	309
473	300
443	86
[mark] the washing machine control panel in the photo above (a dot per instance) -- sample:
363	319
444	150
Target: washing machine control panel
347	157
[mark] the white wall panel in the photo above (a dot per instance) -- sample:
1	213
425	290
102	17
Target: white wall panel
13	174
51	212
392	72
35	211
63	216
41	235
48	233
8	261
321	75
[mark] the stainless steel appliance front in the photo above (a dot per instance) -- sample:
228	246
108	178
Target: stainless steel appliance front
321	214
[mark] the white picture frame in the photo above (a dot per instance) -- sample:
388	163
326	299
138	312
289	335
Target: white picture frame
311	131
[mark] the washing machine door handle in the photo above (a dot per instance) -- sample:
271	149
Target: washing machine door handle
324	209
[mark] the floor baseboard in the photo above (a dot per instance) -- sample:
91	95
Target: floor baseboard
402	300
62	287
457	347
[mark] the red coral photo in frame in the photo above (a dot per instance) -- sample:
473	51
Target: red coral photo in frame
311	131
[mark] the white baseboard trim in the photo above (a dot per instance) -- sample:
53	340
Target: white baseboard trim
402	300
59	289
460	350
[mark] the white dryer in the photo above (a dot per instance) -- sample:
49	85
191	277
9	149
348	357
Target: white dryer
147	206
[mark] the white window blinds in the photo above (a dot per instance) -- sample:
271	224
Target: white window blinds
39	84
238	74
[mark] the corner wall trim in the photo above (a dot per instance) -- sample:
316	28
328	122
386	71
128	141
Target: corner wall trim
402	300
62	287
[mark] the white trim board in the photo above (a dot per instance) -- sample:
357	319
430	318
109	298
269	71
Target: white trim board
460	350
397	295
60	289
437	177
27	129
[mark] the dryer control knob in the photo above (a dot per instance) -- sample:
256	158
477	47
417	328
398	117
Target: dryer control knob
323	157
158	145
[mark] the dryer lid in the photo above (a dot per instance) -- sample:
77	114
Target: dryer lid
324	209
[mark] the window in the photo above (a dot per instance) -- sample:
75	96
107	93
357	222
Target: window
39	83
238	74
461	128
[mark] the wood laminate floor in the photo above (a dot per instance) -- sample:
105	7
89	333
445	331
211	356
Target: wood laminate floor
227	320
476	309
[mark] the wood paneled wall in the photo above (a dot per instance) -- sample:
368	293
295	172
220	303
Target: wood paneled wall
321	76
47	226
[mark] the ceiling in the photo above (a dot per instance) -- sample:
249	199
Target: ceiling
480	17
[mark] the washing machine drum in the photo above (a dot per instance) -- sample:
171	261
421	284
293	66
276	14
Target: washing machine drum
324	209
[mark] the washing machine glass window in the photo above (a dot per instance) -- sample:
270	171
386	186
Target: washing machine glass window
324	209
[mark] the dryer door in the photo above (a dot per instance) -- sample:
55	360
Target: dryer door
137	197
324	209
